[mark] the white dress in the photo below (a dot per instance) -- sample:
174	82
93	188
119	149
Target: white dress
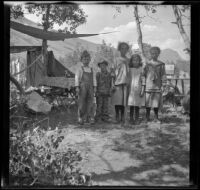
135	83
119	96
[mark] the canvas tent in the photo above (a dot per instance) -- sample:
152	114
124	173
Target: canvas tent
35	68
36	74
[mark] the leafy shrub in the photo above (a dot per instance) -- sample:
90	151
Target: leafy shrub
36	160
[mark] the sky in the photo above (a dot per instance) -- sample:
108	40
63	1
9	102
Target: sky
157	31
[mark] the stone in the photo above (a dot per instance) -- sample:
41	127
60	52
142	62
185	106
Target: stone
36	103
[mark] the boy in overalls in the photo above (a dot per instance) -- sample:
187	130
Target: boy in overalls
85	83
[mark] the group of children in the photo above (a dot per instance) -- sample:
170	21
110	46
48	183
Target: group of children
129	83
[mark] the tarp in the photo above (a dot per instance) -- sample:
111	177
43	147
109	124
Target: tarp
35	74
19	49
56	69
41	34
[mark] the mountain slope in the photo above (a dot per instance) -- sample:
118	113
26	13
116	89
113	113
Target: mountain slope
61	48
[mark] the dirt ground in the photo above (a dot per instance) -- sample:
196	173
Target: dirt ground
142	155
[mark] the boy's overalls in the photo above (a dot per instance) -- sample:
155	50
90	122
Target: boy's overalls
86	95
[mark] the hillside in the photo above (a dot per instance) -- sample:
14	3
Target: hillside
61	48
171	56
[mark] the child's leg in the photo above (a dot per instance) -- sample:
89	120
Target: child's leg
122	113
82	103
90	101
99	107
104	112
148	110
137	109
131	113
117	110
156	112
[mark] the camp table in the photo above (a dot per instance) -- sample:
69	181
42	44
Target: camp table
62	90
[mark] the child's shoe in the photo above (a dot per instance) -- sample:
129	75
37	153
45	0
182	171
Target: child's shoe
80	121
156	120
92	121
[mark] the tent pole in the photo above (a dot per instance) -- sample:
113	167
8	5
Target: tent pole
44	53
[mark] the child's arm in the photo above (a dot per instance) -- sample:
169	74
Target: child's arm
163	76
77	80
94	83
143	78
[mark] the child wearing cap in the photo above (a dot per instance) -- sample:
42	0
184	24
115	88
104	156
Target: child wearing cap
103	79
85	83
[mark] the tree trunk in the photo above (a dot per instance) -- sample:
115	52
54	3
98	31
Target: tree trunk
44	42
140	43
16	83
180	27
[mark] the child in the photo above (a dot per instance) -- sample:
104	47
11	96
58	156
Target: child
119	98
135	101
85	83
154	78
103	79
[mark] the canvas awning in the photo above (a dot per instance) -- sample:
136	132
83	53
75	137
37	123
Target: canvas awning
19	49
41	34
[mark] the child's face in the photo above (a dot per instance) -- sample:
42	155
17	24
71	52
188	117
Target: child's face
103	67
123	49
86	60
136	61
154	54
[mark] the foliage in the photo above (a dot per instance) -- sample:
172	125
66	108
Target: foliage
105	51
34	159
74	57
70	14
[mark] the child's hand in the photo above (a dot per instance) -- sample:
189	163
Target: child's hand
142	92
77	90
113	89
95	89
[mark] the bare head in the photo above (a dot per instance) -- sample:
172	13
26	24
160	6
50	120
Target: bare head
123	47
154	53
135	61
85	58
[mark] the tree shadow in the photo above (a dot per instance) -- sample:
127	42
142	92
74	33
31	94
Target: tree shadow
165	161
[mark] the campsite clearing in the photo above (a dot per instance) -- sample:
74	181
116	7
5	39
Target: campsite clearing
142	155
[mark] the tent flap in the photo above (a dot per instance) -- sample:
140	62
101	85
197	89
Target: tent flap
41	34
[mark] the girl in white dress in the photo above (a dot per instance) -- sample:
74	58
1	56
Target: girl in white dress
135	98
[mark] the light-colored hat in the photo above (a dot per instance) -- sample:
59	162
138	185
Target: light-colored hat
103	62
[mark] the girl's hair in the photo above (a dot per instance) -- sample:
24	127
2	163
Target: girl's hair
156	48
132	57
85	54
120	44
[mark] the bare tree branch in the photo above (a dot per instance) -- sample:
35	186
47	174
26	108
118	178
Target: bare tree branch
180	27
155	19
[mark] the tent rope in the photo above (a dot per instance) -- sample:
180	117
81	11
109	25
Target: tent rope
28	66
